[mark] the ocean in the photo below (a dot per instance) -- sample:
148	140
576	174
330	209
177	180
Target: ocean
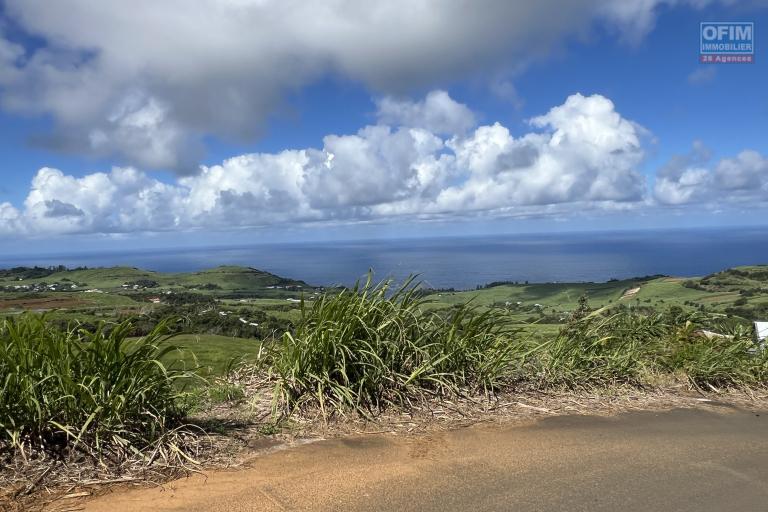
460	262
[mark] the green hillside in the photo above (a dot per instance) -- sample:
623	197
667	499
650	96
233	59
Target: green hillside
125	279
740	292
224	307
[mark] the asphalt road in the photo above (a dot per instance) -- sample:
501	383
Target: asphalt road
682	460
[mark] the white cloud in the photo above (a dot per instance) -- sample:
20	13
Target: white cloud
741	180
587	152
438	113
247	190
691	185
9	219
119	201
148	80
702	75
746	174
140	126
378	165
581	155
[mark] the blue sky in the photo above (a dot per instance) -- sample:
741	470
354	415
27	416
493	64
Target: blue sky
105	120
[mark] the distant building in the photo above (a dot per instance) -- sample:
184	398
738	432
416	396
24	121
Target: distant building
761	331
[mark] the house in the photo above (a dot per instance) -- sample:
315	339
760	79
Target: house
154	300
761	332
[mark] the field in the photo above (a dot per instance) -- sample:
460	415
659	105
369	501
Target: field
212	354
222	305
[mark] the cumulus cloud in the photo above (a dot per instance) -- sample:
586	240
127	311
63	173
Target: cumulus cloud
438	113
119	201
693	178
582	154
9	219
147	80
587	152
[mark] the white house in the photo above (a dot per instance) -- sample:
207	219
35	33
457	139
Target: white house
761	331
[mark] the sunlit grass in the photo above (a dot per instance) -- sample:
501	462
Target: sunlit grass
625	347
369	347
91	393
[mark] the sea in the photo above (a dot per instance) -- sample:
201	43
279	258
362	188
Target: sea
458	262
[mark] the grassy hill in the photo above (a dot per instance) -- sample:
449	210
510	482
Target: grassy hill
224	305
741	292
222	279
224	300
116	287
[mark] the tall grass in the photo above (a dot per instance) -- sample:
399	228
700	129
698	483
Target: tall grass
601	348
94	393
371	346
731	359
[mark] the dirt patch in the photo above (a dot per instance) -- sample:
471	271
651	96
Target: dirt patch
563	463
630	293
246	431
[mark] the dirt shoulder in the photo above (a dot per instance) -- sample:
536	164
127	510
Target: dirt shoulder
709	456
246	434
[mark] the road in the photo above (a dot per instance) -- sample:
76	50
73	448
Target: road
682	460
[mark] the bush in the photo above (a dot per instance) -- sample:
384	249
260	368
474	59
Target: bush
627	346
597	349
725	360
368	347
73	391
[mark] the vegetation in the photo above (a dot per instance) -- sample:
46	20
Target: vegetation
732	359
97	374
366	348
75	392
631	347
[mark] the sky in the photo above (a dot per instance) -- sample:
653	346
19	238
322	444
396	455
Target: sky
171	123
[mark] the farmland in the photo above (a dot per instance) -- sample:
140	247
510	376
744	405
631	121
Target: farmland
225	306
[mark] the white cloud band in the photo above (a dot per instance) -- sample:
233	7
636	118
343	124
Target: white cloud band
581	152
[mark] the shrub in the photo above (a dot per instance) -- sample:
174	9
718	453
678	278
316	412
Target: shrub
724	360
626	346
74	391
368	347
600	349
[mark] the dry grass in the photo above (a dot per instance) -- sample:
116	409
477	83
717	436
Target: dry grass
371	361
245	428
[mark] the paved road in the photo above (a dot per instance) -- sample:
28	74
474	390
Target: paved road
683	460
